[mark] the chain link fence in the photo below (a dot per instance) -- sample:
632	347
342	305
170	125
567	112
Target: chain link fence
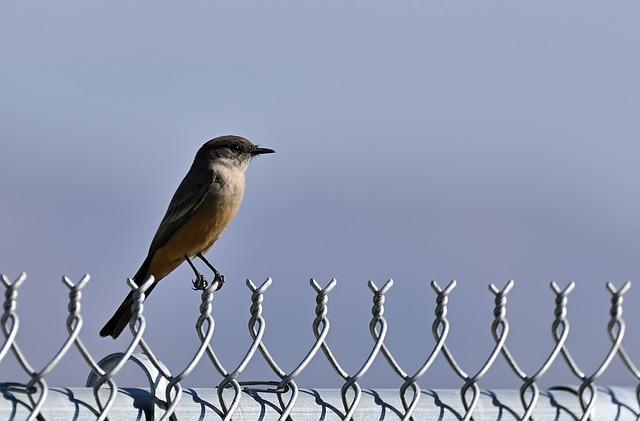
167	390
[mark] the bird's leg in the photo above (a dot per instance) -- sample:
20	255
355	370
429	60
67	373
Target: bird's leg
218	276
200	283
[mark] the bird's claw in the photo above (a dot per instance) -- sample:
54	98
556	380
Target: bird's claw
200	283
220	279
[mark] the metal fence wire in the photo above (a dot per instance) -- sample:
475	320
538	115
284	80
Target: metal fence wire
169	391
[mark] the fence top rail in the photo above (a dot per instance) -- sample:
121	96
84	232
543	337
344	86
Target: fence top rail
617	403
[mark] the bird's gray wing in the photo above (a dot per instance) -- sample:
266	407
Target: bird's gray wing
189	195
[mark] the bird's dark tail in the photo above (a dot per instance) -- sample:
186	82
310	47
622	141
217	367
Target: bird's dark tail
122	316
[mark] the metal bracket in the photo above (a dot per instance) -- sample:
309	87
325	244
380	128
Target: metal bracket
158	383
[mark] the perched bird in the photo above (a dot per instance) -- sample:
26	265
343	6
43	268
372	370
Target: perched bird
206	201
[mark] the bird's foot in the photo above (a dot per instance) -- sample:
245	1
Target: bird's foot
200	283
220	279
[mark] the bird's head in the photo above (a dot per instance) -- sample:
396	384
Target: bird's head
232	151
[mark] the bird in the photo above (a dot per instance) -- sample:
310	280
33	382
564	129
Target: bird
200	210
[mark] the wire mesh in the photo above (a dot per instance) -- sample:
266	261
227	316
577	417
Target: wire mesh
169	390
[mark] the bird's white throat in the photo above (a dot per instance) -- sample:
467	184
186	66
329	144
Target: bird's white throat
229	173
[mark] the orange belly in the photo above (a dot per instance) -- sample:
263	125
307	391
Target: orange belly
199	232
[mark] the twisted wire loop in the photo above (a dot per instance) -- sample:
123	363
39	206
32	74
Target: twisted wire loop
587	391
500	331
616	314
230	378
440	329
529	386
37	384
9	320
378	329
204	324
287	381
10	325
137	326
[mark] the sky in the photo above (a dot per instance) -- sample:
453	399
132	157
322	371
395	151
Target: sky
416	140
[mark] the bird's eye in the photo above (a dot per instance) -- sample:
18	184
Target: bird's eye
236	148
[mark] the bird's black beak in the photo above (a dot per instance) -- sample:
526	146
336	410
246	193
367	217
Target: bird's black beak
261	151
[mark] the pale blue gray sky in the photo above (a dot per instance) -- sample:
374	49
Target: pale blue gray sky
416	140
